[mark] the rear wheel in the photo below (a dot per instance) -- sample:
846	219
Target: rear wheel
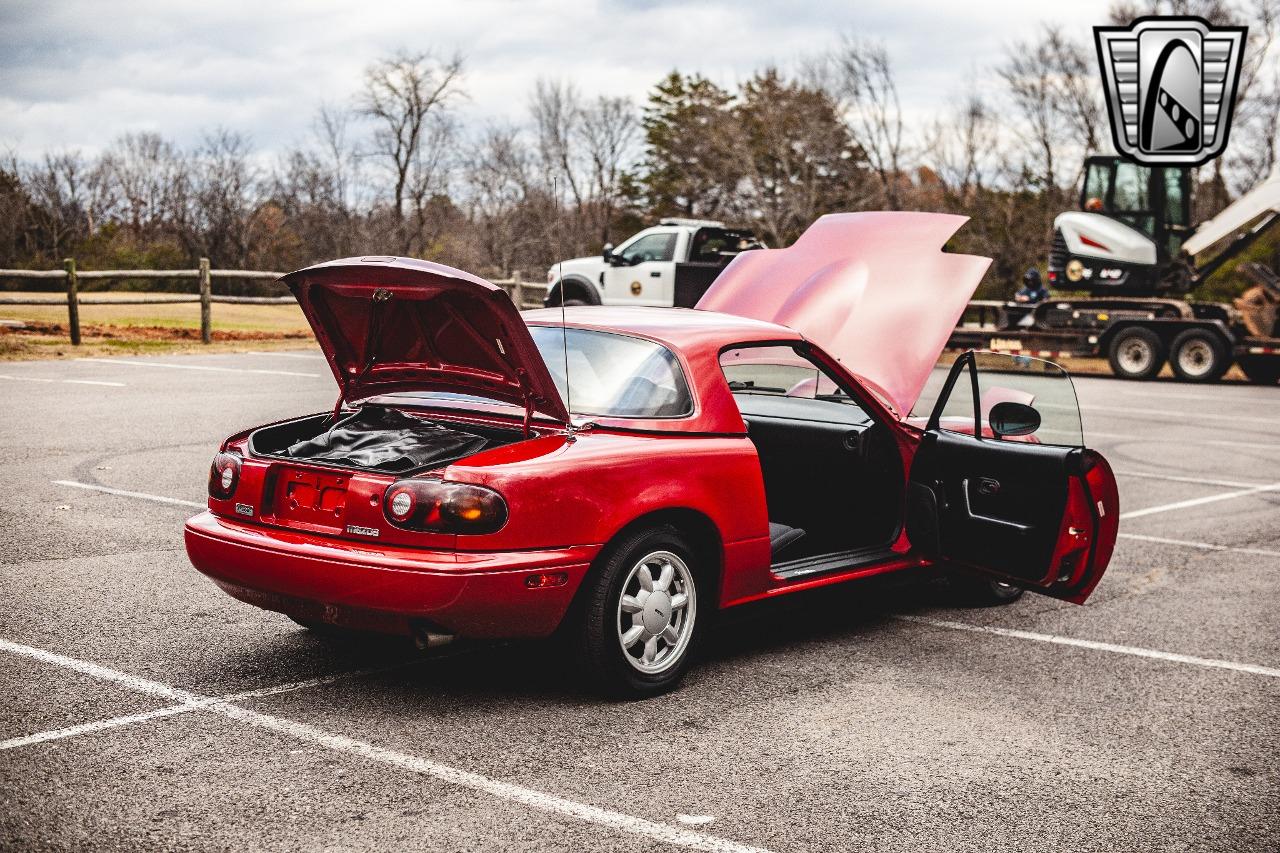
1261	370
1136	353
1198	355
640	616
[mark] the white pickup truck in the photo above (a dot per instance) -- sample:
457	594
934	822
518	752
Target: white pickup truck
672	263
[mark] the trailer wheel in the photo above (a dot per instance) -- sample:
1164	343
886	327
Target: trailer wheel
1136	353
1261	370
1198	355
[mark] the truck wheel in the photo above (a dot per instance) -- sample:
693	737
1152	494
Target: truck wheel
1261	370
1136	353
641	611
1198	355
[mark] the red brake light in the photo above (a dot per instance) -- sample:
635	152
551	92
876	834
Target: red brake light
443	507
224	476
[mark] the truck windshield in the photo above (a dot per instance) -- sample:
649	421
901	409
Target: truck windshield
613	375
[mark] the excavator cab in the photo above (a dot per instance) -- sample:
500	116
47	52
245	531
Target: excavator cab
1152	199
1127	236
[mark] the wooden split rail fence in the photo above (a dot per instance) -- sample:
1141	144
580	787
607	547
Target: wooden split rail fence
524	294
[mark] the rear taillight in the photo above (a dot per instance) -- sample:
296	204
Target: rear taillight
224	476
444	507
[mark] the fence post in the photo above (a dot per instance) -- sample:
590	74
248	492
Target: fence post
73	300
517	290
206	306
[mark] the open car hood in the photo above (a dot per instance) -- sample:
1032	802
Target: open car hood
875	290
398	324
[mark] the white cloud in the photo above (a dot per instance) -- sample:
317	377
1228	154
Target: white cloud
77	73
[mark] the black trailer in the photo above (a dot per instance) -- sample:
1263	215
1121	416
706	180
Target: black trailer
1199	340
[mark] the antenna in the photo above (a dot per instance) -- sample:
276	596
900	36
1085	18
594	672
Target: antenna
564	330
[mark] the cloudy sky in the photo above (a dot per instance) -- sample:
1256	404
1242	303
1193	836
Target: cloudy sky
76	73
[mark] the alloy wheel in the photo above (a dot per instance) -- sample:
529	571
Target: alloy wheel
656	612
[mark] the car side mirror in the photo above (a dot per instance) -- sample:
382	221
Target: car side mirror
1011	419
607	252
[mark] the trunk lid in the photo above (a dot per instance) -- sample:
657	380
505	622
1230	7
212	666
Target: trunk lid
875	290
390	325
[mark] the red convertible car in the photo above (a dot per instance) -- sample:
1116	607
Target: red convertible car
622	473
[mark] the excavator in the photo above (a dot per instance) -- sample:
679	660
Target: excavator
1130	260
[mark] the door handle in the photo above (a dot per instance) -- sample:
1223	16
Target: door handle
655	274
968	507
988	486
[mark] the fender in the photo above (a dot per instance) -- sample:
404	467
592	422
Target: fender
575	287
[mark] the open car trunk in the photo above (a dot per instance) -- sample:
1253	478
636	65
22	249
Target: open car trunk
378	439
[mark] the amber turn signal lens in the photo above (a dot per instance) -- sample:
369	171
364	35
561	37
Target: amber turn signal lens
546	580
443	507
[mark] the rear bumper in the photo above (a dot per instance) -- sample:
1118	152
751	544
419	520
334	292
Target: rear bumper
386	589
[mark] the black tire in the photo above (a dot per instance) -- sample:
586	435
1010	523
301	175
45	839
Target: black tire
984	592
570	298
1136	353
1199	355
1261	369
606	665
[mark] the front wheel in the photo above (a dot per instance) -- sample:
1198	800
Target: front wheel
640	616
1136	353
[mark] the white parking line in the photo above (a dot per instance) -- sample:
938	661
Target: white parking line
184	707
307	356
660	832
1208	499
1171	657
1203	546
134	363
68	381
124	494
1178	479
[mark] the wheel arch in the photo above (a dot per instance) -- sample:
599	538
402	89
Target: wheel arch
704	537
575	287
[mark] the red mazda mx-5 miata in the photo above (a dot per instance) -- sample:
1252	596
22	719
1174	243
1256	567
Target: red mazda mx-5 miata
619	473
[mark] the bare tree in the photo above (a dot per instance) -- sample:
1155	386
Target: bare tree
865	86
405	96
963	150
1028	72
608	131
556	109
151	180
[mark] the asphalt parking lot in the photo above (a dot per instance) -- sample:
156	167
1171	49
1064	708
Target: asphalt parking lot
140	707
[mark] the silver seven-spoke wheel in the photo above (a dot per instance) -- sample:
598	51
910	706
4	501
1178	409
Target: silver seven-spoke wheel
638	610
656	612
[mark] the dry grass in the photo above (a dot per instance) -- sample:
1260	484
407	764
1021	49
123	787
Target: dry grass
277	319
143	329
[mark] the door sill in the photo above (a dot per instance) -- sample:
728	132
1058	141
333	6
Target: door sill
839	561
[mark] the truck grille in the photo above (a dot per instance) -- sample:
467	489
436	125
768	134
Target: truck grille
1058	252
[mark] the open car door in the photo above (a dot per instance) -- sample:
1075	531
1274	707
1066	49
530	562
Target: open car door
1003	485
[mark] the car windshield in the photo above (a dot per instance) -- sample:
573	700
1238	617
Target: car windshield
613	375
